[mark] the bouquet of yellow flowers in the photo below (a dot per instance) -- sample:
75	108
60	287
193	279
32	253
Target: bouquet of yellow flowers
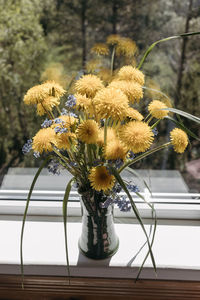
95	136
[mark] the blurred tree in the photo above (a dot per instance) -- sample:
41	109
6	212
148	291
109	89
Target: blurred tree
22	51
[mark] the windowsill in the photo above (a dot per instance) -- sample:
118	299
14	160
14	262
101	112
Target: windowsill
176	250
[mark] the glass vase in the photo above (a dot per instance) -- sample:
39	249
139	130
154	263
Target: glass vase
98	239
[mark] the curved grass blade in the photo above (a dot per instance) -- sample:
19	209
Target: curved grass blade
157	91
164	40
25	215
188	131
151	227
65	201
137	214
183	114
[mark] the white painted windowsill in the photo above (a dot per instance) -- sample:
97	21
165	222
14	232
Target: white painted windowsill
176	250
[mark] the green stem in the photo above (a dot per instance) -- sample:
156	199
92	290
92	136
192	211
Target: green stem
112	61
58	109
149	120
89	154
144	155
155	124
164	40
105	131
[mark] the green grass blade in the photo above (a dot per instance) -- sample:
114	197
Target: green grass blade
183	114
137	214
164	40
65	202
25	215
188	131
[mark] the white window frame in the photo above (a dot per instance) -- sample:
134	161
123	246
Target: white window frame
185	206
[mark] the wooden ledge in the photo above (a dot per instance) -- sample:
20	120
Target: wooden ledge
58	288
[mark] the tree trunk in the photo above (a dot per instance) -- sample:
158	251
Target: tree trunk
83	30
114	17
183	56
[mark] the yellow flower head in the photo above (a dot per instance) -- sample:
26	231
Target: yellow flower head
137	136
84	103
36	95
54	88
111	102
131	89
134	114
179	140
100	49
113	39
114	149
65	140
100	179
88	85
43	140
92	65
131	73
88	132
111	134
126	47
47	105
154	109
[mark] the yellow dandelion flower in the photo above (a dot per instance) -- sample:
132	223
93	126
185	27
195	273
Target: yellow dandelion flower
88	85
92	65
88	132
54	88
179	140
137	136
43	140
131	73
114	149
36	95
131	89
154	109
126	47
134	114
100	179
84	103
100	49
111	135
65	140
113	39
110	102
47	105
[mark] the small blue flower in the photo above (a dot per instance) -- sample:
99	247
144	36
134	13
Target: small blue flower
27	147
118	163
47	123
59	129
131	155
73	115
123	203
58	121
117	188
133	188
63	112
54	167
155	131
71	101
36	154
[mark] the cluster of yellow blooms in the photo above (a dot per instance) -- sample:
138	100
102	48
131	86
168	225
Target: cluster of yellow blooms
105	128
